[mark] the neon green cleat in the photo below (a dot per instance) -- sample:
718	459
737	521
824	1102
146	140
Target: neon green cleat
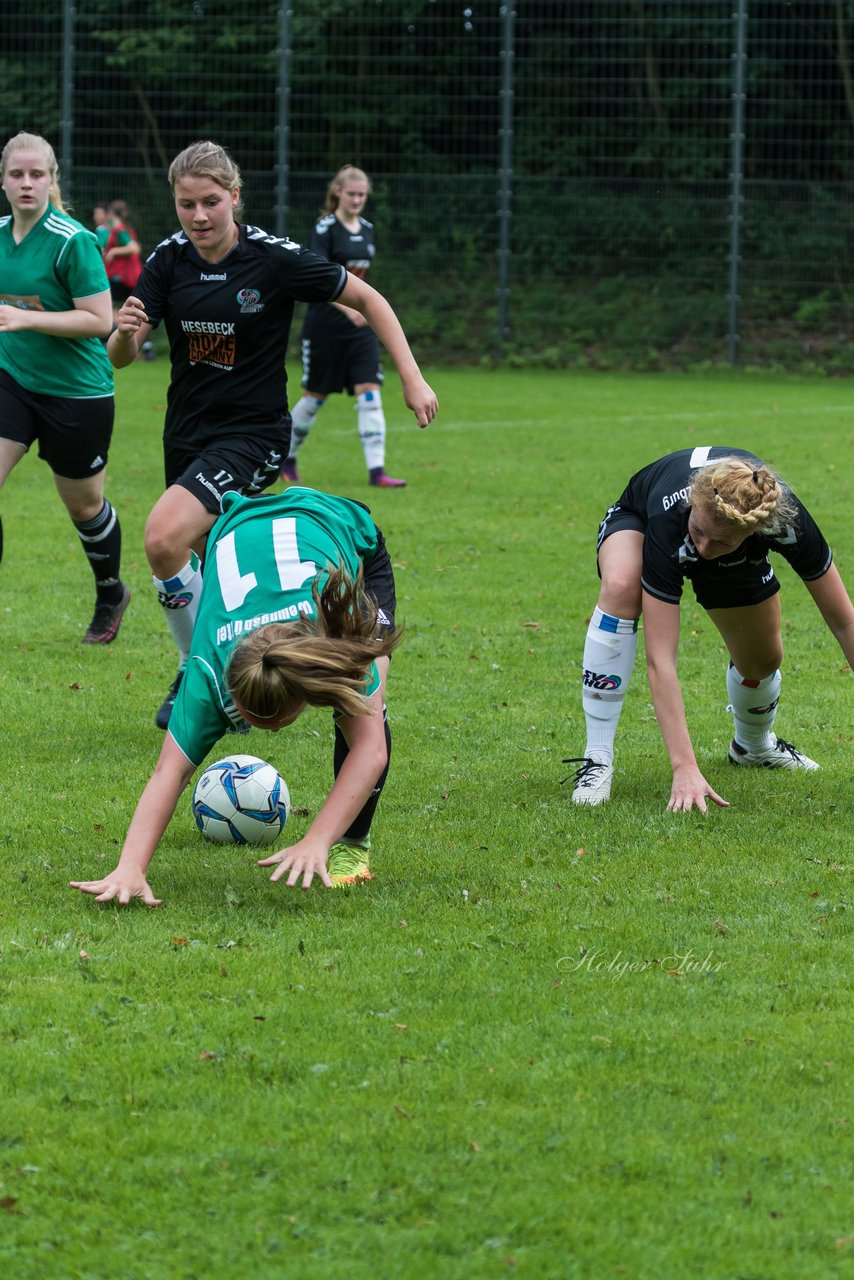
348	862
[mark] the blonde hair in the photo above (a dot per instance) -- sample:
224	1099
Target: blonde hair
321	661
35	142
207	160
743	492
347	173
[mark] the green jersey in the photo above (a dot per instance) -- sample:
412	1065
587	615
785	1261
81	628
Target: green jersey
263	557
57	261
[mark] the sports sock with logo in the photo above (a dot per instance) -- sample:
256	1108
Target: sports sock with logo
101	539
609	656
372	429
753	704
303	415
179	598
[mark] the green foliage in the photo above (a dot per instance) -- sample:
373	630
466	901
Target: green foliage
621	164
542	1041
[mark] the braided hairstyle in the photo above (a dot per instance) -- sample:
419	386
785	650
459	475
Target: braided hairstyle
742	492
320	662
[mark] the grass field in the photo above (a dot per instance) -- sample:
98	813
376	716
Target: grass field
543	1042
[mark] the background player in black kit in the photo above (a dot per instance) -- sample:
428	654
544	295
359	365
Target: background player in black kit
339	351
226	293
710	515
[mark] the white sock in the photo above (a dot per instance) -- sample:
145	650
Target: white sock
753	704
609	656
303	415
179	597
369	407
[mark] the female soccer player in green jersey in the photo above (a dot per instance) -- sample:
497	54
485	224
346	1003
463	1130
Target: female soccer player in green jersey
297	610
56	384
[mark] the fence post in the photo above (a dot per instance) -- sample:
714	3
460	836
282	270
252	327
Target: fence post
736	176
66	124
283	128
505	171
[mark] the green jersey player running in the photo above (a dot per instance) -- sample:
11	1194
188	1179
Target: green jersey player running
296	610
56	384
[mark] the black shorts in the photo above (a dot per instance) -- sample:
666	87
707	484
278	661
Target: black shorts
616	519
379	585
242	464
716	584
73	434
332	364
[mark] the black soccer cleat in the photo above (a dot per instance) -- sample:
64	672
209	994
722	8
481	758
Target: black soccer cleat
106	621
165	710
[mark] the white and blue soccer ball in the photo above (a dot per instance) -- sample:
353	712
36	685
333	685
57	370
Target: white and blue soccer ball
241	800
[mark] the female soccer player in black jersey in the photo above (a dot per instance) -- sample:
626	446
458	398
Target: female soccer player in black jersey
340	351
226	293
710	515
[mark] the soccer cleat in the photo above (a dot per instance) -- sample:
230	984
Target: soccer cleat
106	621
348	863
593	780
289	471
781	756
165	710
379	478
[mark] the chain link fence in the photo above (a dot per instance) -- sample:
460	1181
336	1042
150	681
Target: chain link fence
603	183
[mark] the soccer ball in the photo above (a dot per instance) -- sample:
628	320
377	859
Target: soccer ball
241	800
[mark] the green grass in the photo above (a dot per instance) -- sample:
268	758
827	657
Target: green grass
542	1042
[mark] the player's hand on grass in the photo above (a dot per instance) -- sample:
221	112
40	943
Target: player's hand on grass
421	399
689	789
306	858
119	886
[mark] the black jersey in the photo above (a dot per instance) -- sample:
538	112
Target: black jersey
656	496
228	325
353	250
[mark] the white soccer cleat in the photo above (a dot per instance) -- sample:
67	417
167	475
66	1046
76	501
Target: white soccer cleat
781	756
593	780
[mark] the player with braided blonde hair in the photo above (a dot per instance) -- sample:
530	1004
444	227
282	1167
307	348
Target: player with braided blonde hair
710	515
751	497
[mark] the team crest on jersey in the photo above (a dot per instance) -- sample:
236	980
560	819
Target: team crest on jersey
250	301
687	554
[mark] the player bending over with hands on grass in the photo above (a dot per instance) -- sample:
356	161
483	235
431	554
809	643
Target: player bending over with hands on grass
710	515
297	610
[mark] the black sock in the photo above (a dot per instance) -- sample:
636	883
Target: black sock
361	824
102	545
